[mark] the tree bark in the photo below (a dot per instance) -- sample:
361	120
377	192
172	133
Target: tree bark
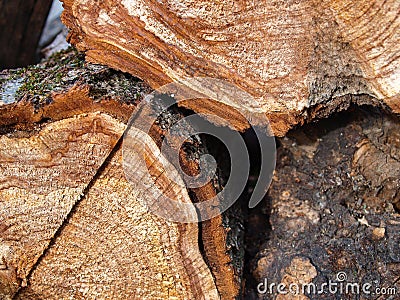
297	59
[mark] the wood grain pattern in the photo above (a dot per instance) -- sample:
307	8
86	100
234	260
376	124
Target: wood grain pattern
37	252
291	56
110	245
372	29
113	248
42	176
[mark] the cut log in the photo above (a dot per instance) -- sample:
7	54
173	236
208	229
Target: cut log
113	248
71	224
43	176
297	59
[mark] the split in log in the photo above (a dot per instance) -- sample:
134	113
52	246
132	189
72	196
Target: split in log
71	224
113	247
297	59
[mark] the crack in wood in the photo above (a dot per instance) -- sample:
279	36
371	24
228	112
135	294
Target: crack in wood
70	214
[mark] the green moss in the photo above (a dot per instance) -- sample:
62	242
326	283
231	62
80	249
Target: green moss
66	68
52	75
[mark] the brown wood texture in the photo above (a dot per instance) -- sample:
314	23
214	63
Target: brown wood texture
43	176
298	59
21	24
215	233
112	247
71	225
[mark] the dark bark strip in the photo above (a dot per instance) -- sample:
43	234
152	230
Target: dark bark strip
21	24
